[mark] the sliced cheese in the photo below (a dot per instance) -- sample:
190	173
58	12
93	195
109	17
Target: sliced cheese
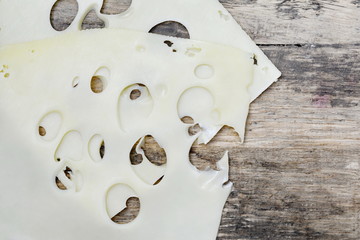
46	88
207	20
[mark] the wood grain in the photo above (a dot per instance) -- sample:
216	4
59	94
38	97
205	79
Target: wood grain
298	21
297	174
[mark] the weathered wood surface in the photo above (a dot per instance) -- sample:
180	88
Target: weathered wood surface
298	21
297	174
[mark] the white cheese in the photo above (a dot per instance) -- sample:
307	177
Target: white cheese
206	20
53	123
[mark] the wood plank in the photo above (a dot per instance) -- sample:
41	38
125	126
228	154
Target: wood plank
297	174
297	21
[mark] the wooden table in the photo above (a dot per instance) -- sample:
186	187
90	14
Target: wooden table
297	174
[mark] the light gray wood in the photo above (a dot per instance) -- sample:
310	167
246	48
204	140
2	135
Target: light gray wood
297	174
298	21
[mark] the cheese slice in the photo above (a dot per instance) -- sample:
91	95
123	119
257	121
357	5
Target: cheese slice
206	20
53	123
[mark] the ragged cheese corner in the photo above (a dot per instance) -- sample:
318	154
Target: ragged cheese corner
57	127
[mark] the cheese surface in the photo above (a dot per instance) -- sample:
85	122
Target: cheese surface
206	20
53	124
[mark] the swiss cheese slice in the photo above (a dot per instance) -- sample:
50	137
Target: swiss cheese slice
53	122
206	20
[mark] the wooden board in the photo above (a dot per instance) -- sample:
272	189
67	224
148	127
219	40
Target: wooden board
297	174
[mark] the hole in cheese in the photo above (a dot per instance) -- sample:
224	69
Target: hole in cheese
102	149
122	203
75	82
168	43
135	94
97	84
129	213
92	21
49	126
67	179
42	131
193	130
113	7
172	29
97	148
148	160
187	120
152	150
59	184
135	158
159	180
133	112
63	14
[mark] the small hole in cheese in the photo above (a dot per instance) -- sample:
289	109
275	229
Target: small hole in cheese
255	60
97	84
135	94
59	184
75	82
159	180
96	148
49	126
42	131
168	43
102	150
187	120
67	173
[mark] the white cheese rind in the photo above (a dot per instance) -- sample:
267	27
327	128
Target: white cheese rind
40	81
206	20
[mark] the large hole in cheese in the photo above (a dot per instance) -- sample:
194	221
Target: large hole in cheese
92	21
122	203
148	160
112	7
152	150
63	14
129	213
172	29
